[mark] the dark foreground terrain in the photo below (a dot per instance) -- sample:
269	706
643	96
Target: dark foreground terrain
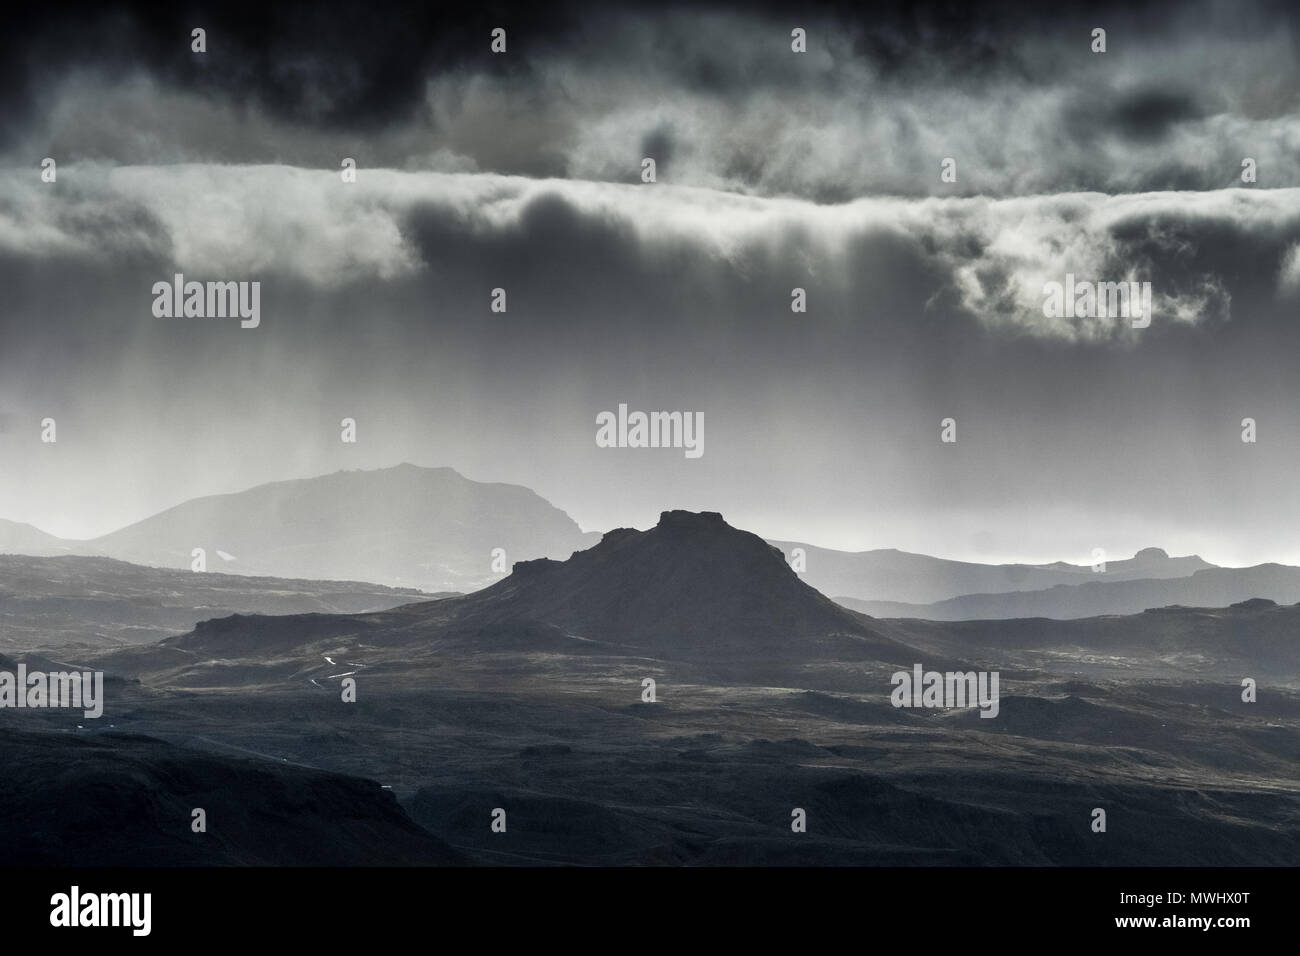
527	697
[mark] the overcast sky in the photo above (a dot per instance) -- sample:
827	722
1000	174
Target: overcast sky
775	170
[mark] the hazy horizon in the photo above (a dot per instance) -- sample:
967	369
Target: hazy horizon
652	520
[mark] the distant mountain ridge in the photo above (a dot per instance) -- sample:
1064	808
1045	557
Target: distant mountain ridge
1211	587
405	526
901	576
437	531
1254	637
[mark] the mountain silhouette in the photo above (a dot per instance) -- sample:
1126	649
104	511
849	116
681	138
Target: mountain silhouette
693	581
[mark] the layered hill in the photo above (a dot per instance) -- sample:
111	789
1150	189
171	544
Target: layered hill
51	602
1253	638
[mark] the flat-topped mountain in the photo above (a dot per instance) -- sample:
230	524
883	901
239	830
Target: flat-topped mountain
692	581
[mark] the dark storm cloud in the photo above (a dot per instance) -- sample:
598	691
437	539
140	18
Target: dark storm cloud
1144	116
1148	114
360	65
1181	95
